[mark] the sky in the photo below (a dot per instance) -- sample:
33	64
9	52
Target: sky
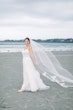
36	19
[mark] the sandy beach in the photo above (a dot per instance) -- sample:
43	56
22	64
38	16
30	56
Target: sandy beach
55	98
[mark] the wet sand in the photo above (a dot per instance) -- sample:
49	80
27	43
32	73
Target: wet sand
55	98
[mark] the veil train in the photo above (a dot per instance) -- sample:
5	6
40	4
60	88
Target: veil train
50	67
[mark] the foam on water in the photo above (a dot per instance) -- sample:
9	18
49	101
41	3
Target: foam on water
20	49
10	50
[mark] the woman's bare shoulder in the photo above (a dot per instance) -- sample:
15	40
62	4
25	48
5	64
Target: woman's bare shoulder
30	48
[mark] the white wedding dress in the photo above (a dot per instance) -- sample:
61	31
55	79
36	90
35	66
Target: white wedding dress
31	77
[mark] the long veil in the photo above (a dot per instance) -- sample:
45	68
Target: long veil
50	67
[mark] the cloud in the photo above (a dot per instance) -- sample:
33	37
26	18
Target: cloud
36	18
54	9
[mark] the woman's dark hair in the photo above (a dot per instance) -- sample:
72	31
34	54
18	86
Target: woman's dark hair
27	39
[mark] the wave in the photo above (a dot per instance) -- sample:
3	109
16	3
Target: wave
49	47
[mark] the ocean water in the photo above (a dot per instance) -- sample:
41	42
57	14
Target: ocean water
17	46
58	46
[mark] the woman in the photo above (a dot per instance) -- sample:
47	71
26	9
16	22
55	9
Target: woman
35	55
31	77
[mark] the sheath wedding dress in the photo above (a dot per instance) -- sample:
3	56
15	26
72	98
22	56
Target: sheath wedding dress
31	77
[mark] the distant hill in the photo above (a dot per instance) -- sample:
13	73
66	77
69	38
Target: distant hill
70	40
55	41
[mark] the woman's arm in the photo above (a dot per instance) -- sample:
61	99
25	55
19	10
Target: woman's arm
32	55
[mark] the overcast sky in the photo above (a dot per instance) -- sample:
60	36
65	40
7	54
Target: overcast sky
38	19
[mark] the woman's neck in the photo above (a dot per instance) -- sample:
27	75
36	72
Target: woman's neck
27	46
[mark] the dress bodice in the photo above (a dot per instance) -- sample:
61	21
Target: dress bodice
25	53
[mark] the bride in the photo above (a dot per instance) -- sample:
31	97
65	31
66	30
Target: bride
31	77
36	61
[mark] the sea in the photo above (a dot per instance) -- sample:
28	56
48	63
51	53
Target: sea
17	46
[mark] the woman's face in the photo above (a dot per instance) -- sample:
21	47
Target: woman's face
27	42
